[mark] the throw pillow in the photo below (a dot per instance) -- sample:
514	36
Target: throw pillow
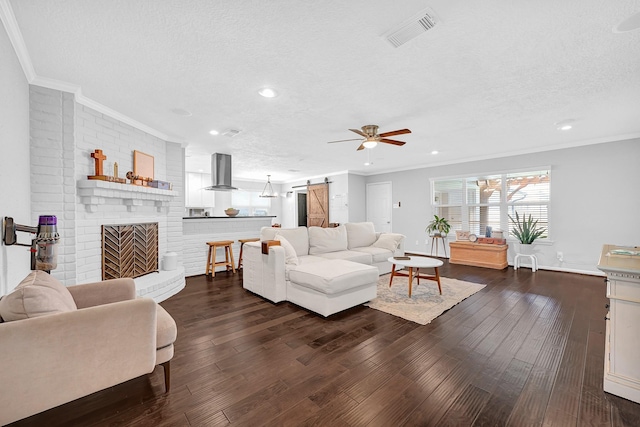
360	234
290	256
39	294
298	238
388	241
325	240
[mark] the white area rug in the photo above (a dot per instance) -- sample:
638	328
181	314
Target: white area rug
425	303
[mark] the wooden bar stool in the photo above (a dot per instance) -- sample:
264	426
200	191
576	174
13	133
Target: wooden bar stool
242	242
228	256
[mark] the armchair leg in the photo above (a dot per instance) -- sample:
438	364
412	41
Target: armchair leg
167	375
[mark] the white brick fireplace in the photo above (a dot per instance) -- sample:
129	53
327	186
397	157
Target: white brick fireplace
64	133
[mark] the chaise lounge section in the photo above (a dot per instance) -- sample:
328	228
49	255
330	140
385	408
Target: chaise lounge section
325	270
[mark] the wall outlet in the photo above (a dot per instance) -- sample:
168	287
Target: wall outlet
560	256
417	243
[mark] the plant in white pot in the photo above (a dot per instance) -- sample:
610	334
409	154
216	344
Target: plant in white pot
439	226
526	230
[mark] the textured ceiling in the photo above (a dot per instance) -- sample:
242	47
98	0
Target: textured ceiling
490	79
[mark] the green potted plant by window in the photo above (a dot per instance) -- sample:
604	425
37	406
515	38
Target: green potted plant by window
526	230
439	226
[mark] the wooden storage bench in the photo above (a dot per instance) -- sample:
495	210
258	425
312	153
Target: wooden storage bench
479	254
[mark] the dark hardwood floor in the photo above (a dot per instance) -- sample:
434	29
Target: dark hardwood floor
527	350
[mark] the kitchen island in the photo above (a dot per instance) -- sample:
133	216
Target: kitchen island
197	231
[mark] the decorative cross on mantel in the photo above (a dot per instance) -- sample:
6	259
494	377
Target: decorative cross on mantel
100	158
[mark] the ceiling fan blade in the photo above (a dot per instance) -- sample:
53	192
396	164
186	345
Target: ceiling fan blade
344	140
359	132
360	148
391	141
394	132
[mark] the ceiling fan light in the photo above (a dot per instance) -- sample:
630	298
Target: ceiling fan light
267	92
370	144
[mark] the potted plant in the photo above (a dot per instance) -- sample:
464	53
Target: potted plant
438	227
526	230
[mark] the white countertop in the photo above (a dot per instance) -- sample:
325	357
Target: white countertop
620	262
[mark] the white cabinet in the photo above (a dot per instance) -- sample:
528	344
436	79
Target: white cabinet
622	342
196	195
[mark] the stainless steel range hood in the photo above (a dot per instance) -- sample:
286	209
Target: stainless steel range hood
220	173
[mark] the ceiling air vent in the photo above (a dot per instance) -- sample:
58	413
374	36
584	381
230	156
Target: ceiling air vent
231	132
411	28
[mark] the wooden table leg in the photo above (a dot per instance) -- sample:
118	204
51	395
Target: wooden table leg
438	279
410	280
393	273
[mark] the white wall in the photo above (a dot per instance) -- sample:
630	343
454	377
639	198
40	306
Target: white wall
357	198
14	163
223	198
594	200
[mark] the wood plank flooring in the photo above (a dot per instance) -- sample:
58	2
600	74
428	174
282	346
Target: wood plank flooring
527	350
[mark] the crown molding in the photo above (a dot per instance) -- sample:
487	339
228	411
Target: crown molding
17	41
15	36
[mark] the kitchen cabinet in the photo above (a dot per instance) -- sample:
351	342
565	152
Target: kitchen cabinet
196	196
622	341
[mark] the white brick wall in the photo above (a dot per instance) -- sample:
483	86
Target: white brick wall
63	136
51	114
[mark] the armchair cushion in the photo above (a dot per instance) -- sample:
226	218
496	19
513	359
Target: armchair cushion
39	294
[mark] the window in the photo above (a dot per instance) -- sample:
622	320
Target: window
249	203
474	202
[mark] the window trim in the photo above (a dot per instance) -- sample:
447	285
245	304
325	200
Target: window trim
503	204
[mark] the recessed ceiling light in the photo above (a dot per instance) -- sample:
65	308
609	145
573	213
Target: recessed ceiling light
368	163
629	24
267	92
434	152
181	112
214	132
564	124
200	170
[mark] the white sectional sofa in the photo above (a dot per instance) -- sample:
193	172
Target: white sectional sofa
325	270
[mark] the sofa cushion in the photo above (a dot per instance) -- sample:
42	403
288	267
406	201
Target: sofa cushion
360	234
376	254
298	237
39	294
324	240
268	233
388	241
353	256
333	276
290	256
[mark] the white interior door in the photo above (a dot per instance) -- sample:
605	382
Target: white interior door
379	205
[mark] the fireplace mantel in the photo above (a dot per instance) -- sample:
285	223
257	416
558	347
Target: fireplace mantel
95	192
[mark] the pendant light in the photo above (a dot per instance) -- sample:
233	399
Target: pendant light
268	189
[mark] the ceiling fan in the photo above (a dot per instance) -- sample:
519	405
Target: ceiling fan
371	137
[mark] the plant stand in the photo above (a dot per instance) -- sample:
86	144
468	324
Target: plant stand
434	240
534	261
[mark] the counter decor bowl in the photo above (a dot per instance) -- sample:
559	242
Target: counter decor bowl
231	212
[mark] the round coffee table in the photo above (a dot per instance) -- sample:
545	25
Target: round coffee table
415	262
